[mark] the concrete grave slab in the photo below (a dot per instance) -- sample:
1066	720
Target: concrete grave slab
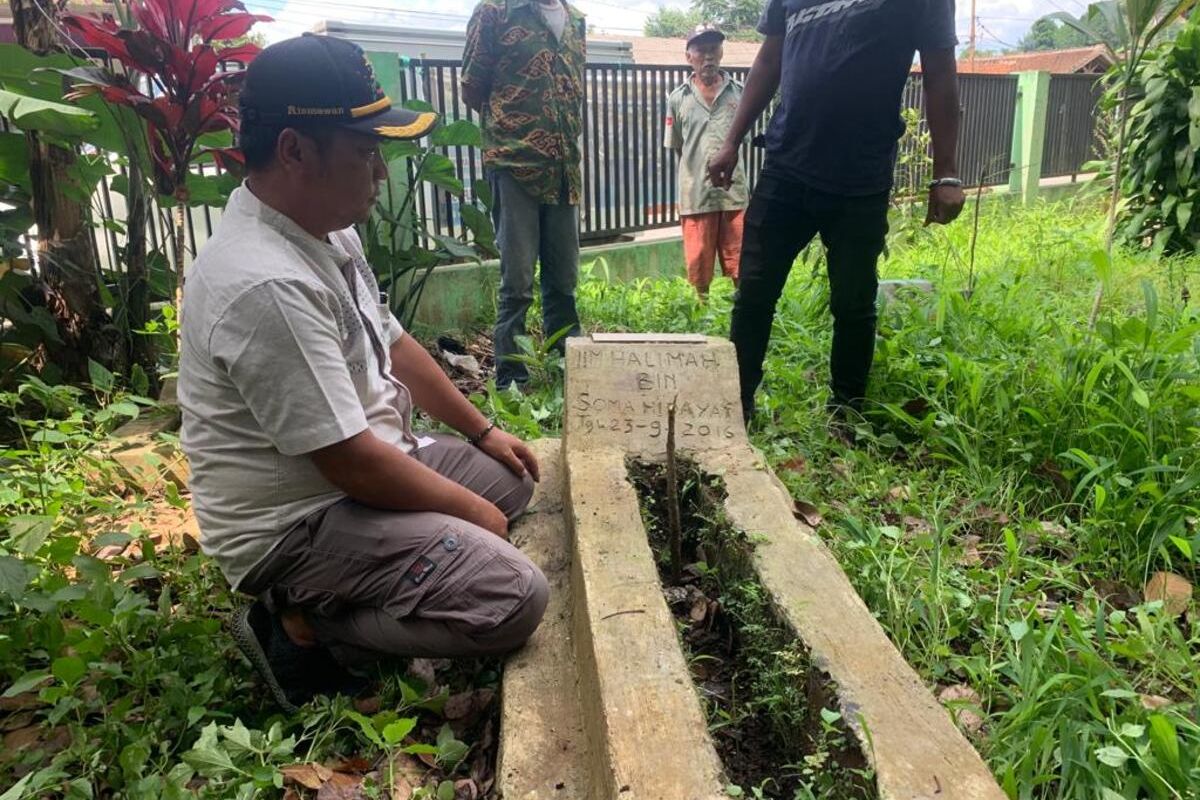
646	730
543	749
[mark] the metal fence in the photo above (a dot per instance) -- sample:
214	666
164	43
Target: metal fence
1071	124
630	179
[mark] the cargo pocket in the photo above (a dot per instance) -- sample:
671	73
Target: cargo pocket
437	562
487	586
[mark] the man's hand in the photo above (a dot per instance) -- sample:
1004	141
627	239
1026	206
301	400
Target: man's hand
511	452
721	166
486	515
945	204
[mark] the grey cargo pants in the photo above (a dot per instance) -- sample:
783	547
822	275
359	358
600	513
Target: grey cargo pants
387	583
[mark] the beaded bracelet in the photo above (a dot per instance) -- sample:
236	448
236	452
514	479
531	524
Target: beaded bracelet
477	438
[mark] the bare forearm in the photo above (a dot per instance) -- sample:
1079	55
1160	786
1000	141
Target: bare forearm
761	86
380	475
432	391
942	112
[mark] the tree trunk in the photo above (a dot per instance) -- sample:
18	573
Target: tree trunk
66	253
142	349
180	218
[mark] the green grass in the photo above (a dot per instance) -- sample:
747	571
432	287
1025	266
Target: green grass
1019	478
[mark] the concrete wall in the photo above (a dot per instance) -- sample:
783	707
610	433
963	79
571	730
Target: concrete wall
462	297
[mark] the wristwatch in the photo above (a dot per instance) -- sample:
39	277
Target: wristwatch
936	182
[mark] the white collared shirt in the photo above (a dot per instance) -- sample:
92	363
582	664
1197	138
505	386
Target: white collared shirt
276	362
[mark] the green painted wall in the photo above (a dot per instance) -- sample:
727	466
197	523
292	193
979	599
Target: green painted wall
462	297
1029	134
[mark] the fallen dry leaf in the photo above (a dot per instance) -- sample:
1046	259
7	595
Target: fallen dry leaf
341	786
25	701
303	775
699	610
962	701
1173	590
350	764
795	464
22	738
109	552
18	719
971	556
36	737
1153	702
808	513
915	526
897	493
408	775
290	794
464	704
368	705
458	705
466	789
1054	529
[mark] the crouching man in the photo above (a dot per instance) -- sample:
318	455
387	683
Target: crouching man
360	537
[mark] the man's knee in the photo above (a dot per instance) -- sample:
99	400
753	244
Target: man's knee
520	498
528	614
853	310
514	494
515	629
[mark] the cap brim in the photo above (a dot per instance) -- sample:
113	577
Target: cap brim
396	123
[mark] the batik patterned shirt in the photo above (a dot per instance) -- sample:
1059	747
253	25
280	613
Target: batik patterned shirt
533	85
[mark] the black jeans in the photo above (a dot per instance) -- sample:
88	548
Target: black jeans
783	217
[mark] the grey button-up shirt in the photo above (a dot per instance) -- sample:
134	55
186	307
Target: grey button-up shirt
696	131
284	350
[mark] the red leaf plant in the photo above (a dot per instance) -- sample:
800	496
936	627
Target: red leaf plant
170	77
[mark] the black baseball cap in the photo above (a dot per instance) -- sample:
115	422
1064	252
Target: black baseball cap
321	80
703	33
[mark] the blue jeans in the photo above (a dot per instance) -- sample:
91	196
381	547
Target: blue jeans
527	231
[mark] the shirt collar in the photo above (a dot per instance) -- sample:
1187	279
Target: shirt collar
245	203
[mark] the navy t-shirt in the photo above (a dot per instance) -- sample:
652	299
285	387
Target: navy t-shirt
845	63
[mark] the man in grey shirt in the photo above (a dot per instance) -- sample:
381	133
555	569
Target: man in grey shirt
359	537
699	114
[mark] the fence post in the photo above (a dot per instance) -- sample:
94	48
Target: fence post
1029	134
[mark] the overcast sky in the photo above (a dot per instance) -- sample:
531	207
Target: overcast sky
1001	22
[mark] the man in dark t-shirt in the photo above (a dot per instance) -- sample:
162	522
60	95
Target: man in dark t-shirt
840	67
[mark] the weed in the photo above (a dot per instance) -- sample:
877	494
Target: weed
1019	477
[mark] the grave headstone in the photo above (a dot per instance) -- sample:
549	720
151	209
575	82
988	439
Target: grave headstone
620	387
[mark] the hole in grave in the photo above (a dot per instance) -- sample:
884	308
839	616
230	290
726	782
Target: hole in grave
772	715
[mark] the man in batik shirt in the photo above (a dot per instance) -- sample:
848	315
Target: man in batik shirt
523	71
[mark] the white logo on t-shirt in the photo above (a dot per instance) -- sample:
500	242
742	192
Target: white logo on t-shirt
818	12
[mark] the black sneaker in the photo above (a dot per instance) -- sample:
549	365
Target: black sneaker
293	674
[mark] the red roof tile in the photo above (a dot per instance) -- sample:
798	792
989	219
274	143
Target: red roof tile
1058	62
